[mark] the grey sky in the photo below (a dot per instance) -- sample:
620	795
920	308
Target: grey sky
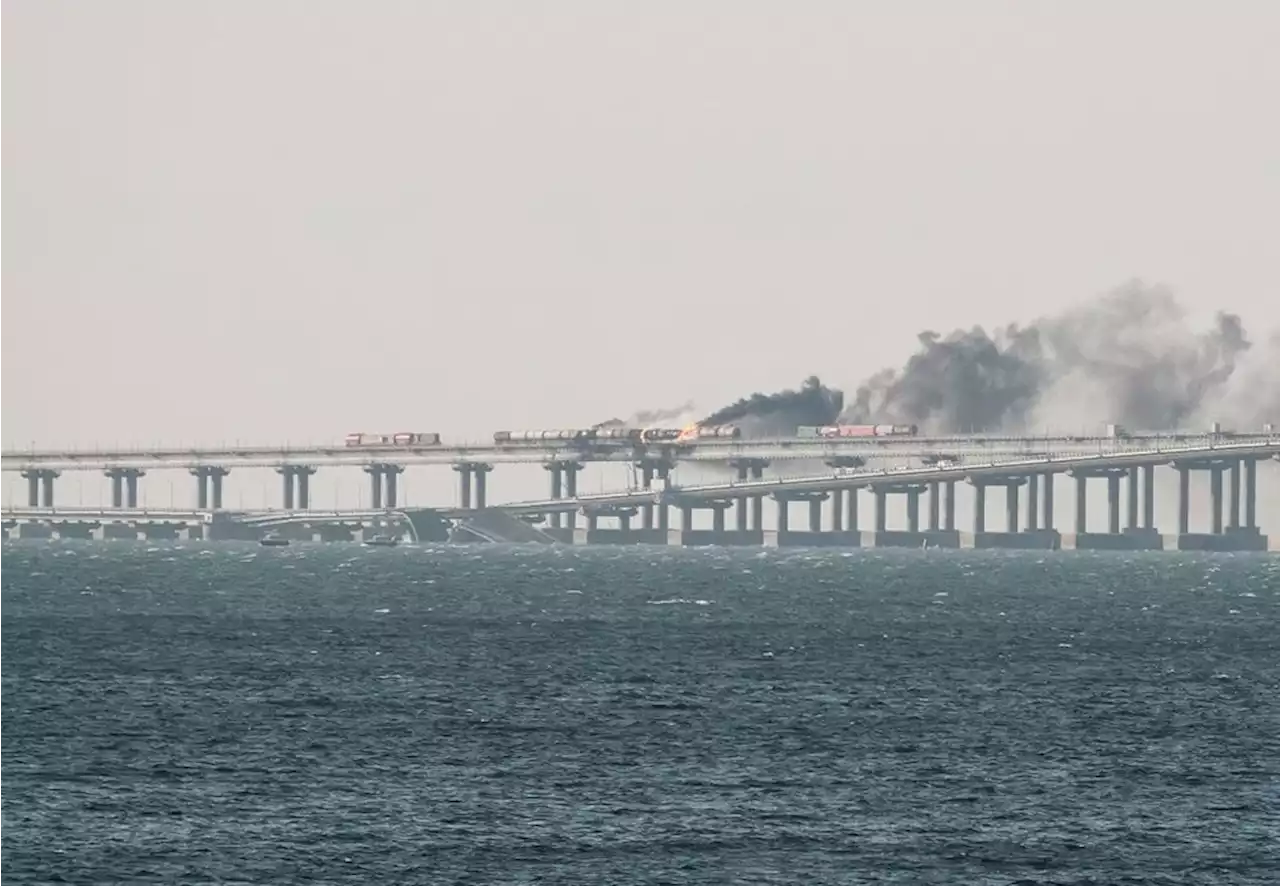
271	220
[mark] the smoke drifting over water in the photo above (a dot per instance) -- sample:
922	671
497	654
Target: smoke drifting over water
760	414
1129	357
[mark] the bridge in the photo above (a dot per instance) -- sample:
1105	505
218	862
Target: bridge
709	450
564	461
1230	464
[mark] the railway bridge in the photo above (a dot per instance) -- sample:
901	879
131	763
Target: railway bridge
1027	480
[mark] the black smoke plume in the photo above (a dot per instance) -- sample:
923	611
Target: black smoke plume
1129	357
812	404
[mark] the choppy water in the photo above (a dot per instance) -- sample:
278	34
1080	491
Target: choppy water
191	714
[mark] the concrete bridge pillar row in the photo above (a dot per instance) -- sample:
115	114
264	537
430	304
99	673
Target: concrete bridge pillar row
480	472
383	484
564	484
208	486
473	484
124	486
296	486
40	487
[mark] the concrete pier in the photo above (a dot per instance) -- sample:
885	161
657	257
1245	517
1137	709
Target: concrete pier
124	486
40	487
208	486
1239	530
295	482
384	484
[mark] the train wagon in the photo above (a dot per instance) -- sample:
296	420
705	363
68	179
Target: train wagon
544	436
719	432
403	438
837	431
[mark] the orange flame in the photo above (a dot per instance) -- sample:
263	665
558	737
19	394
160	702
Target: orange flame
688	433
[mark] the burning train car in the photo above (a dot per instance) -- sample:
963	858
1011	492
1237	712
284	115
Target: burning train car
403	438
841	431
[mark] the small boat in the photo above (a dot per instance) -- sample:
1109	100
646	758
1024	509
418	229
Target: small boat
382	541
272	540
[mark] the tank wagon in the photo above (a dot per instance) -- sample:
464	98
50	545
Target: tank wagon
401	439
836	431
618	435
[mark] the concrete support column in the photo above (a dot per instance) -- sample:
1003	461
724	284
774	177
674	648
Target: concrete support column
949	512
1113	503
464	470
481	482
882	510
1149	497
392	473
646	510
1184	500
741	507
593	521
40	487
913	510
33	488
1047	514
979	508
1233	499
624	522
935	509
784	516
375	486
1033	503
1131	494
837	510
1251	494
851	510
1082	504
686	517
557	491
757	504
1011	507
286	486
216	476
117	489
717	518
664	518
130	488
815	515
202	488
303	473
571	470
1215	499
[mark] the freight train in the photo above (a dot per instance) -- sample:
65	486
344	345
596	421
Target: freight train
831	431
620	435
401	439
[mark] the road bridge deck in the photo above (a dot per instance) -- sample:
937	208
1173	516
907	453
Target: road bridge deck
718	451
